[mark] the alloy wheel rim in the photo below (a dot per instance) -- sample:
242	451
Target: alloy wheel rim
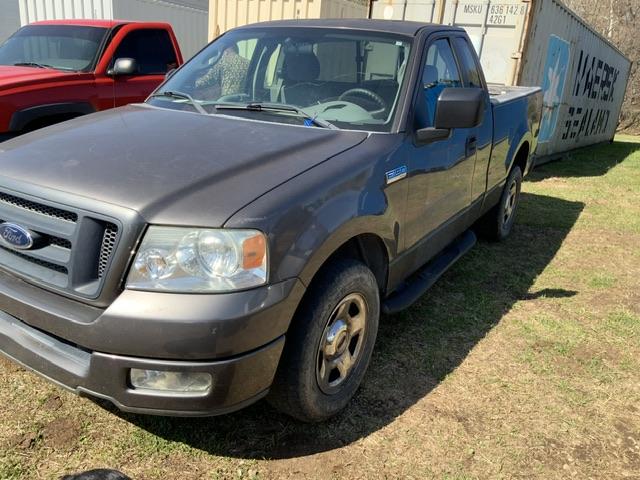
510	203
341	343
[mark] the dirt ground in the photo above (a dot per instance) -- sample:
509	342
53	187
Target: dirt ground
522	362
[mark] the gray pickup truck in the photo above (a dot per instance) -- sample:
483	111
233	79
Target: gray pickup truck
241	232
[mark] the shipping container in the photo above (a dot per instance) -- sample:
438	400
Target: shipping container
189	18
538	43
227	14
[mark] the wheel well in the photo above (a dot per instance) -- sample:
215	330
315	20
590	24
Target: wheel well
522	156
49	120
370	250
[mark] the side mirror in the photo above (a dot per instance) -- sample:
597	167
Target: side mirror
124	66
460	108
456	108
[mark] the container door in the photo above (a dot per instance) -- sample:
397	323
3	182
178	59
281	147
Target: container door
496	27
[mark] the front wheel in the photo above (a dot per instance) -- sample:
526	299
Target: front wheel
497	223
329	345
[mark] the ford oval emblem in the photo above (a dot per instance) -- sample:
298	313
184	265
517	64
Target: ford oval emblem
15	236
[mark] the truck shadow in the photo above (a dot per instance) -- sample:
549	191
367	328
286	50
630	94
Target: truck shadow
415	350
586	162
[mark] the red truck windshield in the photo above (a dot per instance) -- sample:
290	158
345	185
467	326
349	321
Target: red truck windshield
63	47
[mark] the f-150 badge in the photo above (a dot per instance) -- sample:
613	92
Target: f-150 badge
396	174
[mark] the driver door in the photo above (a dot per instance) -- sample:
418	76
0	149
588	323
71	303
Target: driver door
440	172
155	55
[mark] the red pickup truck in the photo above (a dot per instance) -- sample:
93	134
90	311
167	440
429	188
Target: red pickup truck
56	70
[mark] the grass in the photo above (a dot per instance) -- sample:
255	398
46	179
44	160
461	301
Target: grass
522	361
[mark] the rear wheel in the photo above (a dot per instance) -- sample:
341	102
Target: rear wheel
329	345
497	223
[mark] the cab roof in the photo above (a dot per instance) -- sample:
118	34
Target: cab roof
399	27
82	22
97	23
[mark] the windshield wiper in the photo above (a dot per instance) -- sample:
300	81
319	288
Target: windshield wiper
32	64
276	107
183	96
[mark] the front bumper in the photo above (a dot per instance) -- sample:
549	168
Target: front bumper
236	337
236	382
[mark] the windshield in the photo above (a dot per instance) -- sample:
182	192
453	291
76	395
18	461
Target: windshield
63	47
351	80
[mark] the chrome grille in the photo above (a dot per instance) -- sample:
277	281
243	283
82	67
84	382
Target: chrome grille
59	242
74	247
38	208
37	261
109	238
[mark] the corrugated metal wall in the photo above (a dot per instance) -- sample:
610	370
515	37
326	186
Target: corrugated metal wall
35	10
189	19
342	9
227	14
417	10
9	19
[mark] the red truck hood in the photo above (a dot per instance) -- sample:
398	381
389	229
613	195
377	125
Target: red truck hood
11	76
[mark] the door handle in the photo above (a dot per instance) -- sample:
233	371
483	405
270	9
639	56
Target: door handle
471	146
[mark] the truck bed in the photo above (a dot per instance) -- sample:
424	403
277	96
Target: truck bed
503	94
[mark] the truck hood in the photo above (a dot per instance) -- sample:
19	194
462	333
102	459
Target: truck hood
13	76
172	167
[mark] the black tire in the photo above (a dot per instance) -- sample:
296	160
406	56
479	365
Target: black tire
497	223
302	388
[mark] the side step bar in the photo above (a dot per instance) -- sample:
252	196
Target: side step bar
421	281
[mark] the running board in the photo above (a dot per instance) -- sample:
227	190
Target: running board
421	281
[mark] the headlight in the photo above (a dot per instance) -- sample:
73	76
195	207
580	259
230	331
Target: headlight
199	260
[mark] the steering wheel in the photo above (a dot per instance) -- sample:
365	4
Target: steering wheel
367	95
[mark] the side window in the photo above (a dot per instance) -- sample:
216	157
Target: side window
468	62
440	72
152	49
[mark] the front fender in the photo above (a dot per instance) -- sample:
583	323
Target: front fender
309	217
21	118
331	226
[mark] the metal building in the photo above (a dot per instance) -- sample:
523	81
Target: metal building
538	42
187	17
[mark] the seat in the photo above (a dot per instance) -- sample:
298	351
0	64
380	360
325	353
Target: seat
429	75
299	71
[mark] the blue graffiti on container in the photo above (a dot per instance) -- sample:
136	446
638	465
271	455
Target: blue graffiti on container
555	74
